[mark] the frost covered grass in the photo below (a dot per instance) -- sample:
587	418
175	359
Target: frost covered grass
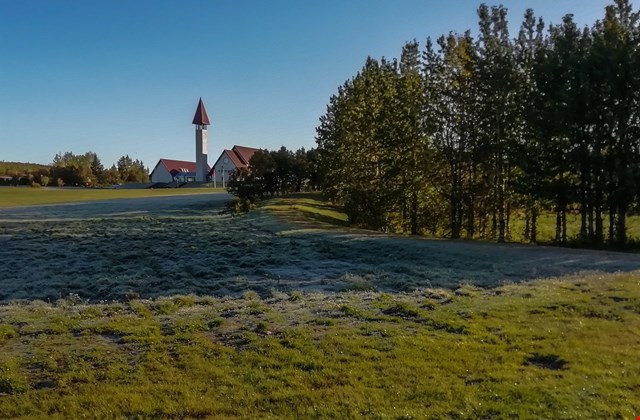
172	310
546	349
23	196
192	249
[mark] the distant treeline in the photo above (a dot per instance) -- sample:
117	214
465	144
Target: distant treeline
74	170
21	173
454	138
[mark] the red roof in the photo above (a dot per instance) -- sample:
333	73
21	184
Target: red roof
176	166
238	155
245	153
237	162
201	117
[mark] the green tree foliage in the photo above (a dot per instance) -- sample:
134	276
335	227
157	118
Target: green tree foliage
274	173
19	173
72	169
457	138
130	170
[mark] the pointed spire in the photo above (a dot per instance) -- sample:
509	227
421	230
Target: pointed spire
201	117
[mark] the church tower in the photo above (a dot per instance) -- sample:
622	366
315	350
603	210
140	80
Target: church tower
201	121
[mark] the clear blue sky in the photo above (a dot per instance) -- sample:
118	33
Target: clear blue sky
124	77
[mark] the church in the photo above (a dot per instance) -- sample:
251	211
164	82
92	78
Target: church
179	171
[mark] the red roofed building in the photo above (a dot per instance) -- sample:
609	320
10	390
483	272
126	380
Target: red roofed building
169	170
229	161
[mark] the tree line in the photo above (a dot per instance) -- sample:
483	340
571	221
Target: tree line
272	173
459	137
75	170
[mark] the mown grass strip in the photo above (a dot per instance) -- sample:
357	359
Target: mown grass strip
24	196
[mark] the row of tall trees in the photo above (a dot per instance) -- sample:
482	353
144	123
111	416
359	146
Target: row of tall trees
275	172
457	137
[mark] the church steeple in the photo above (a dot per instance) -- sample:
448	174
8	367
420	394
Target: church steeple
201	121
201	117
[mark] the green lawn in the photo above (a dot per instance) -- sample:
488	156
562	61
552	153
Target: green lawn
25	196
549	349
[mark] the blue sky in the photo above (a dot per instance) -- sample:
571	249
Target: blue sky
124	77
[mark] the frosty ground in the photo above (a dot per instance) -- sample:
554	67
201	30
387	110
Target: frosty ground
164	246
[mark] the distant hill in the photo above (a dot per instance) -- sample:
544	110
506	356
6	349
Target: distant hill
21	168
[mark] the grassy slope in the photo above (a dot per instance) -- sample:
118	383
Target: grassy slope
308	209
547	349
11	196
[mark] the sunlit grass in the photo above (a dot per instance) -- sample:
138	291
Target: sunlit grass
548	349
546	227
309	207
25	196
306	207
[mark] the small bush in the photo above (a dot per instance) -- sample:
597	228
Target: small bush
184	300
296	295
35	185
7	331
251	295
164	307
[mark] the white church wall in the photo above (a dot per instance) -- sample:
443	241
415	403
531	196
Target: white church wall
222	164
160	174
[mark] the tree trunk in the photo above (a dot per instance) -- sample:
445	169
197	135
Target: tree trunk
471	230
414	213
612	224
508	221
564	224
599	223
501	215
558	225
534	225
584	206
621	224
455	229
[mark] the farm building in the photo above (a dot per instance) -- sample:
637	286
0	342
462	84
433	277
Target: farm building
229	161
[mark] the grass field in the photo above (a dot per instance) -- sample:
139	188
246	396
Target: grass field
549	349
173	248
294	315
25	196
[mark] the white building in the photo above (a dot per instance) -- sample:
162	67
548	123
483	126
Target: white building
169	170
229	161
179	171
